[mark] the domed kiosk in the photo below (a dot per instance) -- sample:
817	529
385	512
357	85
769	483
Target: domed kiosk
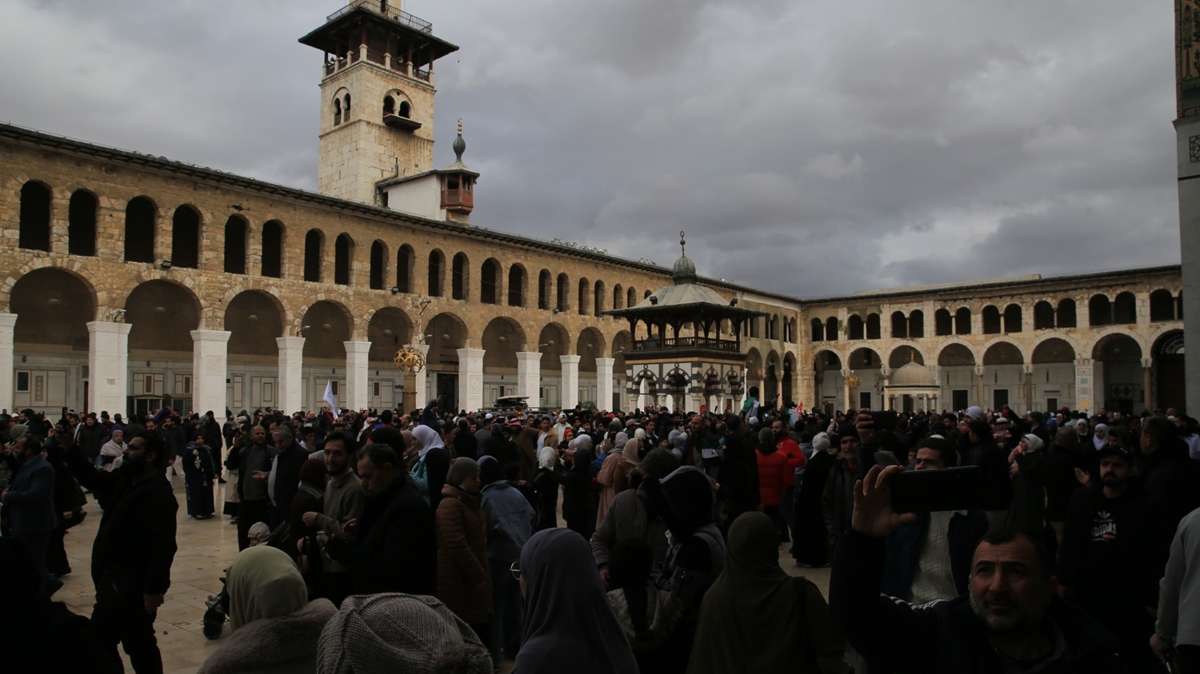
911	387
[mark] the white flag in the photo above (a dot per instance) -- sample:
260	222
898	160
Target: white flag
330	399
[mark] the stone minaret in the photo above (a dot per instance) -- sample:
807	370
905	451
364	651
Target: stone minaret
1187	131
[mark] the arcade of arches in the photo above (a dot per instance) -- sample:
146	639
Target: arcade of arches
132	282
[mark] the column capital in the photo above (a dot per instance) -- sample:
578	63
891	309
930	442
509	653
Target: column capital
568	359
471	353
7	321
356	347
105	327
1147	363
210	335
605	362
529	356
289	343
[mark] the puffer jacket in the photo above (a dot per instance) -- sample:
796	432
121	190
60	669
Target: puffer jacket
509	521
463	575
773	471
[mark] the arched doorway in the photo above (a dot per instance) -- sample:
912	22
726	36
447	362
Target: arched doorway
388	331
867	366
1053	374
1170	389
589	346
163	315
445	334
503	338
1003	376
254	320
552	342
827	380
1117	371
956	366
53	307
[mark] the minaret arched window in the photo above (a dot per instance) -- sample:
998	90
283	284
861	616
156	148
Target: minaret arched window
337	111
346	106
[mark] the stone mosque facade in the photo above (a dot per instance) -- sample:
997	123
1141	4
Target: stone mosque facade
130	282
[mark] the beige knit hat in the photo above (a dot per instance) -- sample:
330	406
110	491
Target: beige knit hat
398	633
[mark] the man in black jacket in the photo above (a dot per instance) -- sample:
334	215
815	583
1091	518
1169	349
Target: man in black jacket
284	480
393	546
134	548
1010	620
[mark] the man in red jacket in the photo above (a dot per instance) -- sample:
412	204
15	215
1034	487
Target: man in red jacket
795	458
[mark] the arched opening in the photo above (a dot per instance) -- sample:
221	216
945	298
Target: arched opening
404	268
553	343
1170	388
564	293
437	275
1162	306
503	338
1125	309
81	224
899	325
943	323
817	328
389	105
326	328
346	107
314	242
337	111
459	277
163	315
1053	374
1117	374
831	329
867	365
789	375
343	253
53	307
272	249
1043	316
957	366
585	289
646	294
254	320
1099	311
903	355
618	297
185	238
405	110
1003	353
389	330
598	299
991	320
589	346
1004	378
916	324
140	214
1065	316
962	321
35	217
854	327
874	329
1012	318
235	245
827	380
489	282
631	299
956	355
517	280
544	289
378	271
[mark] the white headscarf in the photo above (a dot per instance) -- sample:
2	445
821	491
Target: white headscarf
427	438
1101	441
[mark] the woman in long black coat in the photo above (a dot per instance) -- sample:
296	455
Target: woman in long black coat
198	474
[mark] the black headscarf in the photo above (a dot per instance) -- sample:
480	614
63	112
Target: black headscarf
569	624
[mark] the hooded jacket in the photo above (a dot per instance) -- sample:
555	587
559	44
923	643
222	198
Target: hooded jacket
463	576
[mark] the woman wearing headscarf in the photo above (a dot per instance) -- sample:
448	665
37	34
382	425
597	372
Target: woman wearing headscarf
579	490
545	485
1100	437
463	576
811	545
275	627
611	481
432	463
1028	469
756	618
198	472
569	625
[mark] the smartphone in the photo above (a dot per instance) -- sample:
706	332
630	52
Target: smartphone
883	421
915	491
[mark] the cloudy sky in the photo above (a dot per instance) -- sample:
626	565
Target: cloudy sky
810	147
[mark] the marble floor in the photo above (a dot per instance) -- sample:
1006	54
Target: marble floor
206	547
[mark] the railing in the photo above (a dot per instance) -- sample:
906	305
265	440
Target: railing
380	58
686	343
381	8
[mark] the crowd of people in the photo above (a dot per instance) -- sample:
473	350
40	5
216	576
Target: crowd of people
430	540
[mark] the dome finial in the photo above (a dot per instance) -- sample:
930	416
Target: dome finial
460	145
682	243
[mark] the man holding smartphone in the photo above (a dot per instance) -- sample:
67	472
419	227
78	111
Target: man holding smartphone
1010	620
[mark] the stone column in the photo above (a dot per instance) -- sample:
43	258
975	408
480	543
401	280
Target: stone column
529	377
1187	130
357	397
570	381
1028	387
808	393
8	324
416	384
291	376
209	367
108	367
604	382
470	379
847	393
1147	397
1083	385
979	387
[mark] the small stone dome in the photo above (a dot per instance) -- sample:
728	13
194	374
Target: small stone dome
684	271
911	374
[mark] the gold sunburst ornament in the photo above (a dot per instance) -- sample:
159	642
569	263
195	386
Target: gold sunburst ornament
409	360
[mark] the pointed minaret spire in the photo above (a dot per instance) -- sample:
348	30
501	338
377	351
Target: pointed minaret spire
460	145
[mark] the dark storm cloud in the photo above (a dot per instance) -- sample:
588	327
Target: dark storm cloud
812	148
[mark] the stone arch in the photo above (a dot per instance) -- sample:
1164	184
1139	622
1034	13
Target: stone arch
1053	350
34	218
343	260
1065	314
378	265
864	358
1003	352
518	282
237	248
502	339
874	331
1012	318
817	330
460	276
553	342
598	298
831	329
1043	315
631	298
163	314
186	226
827	359
437	273
406	259
943	323
254	319
899	325
53	306
590	345
621	343
1125	308
325	326
490	281
1096	341
754	369
956	353
1099	310
445	334
903	353
314	254
585	297
545	289
962	321
1162	305
563	294
82	217
992	320
141	224
618	299
855	327
273	249
388	330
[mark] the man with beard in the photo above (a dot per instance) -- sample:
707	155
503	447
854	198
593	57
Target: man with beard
1105	566
254	465
134	548
29	500
1010	621
343	502
393	546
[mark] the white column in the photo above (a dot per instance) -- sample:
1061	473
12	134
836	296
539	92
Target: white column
470	379
291	375
356	395
8	323
422	377
108	367
1187	130
570	381
529	377
210	362
604	382
1083	385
